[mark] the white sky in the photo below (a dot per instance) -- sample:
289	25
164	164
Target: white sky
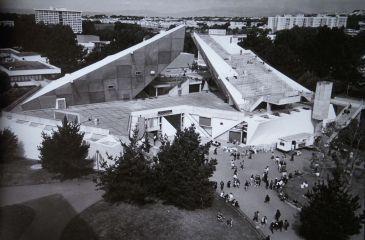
192	7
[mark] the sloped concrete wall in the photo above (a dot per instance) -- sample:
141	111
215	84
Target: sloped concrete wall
121	79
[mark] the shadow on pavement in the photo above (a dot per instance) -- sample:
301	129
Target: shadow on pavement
39	219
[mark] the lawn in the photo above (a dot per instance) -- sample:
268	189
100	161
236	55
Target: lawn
14	219
19	172
293	190
156	221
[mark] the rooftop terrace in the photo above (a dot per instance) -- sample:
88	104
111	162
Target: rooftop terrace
115	115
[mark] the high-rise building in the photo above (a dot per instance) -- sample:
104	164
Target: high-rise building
60	16
278	23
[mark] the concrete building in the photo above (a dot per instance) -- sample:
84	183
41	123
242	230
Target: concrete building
256	105
24	67
61	16
121	76
278	23
90	42
7	23
361	25
239	25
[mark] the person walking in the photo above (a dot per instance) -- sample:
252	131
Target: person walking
230	222
247	184
267	184
241	166
286	225
272	227
267	198
256	216
277	215
263	220
228	184
280	225
271	184
222	185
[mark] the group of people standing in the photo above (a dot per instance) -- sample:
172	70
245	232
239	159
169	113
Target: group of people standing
277	224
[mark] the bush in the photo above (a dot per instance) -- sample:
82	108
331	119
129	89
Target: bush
9	146
65	151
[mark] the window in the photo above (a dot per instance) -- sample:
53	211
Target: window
282	144
203	121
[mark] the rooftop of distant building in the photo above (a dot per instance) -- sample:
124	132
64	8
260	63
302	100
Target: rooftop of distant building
24	65
56	9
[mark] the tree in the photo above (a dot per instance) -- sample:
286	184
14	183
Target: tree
324	53
64	151
129	178
189	45
330	212
4	87
183	171
9	146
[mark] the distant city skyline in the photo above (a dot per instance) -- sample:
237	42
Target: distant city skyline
189	7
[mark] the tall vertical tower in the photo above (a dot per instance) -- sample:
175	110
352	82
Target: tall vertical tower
322	100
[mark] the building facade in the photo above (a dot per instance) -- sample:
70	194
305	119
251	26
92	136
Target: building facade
278	23
61	16
117	77
24	67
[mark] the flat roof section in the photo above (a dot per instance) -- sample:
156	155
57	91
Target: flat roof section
296	136
115	115
24	65
26	54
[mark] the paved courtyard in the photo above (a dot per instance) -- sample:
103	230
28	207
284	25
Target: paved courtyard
253	199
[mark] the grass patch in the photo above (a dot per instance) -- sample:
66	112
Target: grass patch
157	221
18	172
14	220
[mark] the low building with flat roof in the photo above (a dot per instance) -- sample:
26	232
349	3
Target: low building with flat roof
26	66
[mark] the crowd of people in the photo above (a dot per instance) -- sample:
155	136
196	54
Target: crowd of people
237	164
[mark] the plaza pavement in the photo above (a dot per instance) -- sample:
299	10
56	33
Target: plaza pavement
253	199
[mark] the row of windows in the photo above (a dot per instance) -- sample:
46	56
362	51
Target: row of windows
26	78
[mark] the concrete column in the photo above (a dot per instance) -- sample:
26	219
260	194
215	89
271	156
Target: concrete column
268	107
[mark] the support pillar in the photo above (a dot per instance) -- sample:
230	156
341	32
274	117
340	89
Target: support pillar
268	107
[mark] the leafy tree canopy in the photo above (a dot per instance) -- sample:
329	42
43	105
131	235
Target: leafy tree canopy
9	146
319	52
183	171
330	213
129	178
64	151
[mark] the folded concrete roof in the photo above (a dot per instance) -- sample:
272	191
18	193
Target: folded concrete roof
69	78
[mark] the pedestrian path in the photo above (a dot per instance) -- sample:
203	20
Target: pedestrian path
253	199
